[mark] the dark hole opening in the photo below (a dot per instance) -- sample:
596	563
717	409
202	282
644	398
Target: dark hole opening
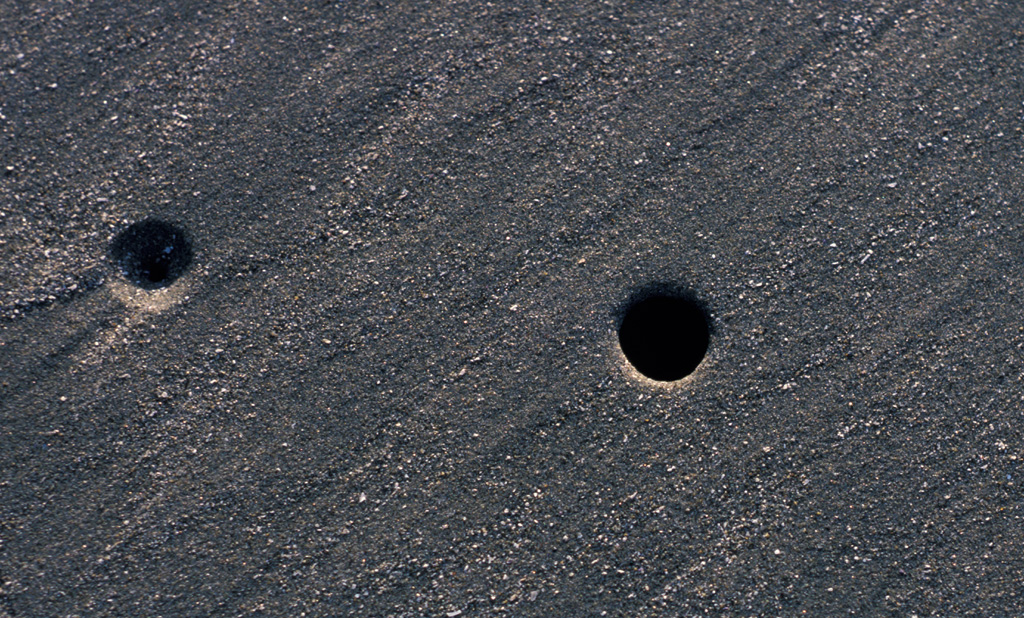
664	337
151	253
155	271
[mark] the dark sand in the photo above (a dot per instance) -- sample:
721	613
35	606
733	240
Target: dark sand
389	382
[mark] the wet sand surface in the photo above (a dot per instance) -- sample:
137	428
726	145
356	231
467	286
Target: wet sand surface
388	380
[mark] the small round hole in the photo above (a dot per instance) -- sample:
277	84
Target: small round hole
664	336
151	254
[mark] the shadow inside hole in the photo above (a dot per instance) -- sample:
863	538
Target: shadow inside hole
152	254
664	334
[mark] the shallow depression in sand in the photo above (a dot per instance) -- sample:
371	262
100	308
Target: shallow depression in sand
152	254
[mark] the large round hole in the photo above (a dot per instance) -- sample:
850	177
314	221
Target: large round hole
664	337
151	254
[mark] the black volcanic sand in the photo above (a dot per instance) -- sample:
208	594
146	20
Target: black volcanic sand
388	382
